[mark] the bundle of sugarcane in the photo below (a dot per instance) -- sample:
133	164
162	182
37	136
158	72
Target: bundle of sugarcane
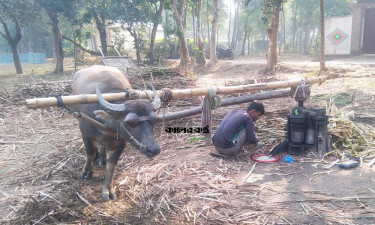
349	136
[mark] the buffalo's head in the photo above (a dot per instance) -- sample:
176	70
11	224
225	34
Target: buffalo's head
132	120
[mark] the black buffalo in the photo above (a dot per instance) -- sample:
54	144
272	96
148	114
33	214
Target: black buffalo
131	121
222	53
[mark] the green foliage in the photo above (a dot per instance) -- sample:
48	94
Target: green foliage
67	7
26	11
340	99
194	139
343	99
119	41
165	49
334	8
23	13
169	30
193	48
133	11
36	38
267	8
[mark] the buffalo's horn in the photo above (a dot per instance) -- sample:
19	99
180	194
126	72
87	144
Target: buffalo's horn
107	105
156	103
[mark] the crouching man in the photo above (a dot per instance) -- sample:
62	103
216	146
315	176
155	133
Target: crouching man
237	130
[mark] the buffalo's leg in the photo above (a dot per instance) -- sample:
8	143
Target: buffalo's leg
107	191
102	157
90	157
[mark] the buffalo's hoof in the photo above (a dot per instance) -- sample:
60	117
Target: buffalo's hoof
108	194
85	175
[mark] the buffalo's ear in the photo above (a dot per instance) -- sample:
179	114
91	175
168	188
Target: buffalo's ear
103	116
131	119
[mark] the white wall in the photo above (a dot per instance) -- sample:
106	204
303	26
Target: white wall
341	26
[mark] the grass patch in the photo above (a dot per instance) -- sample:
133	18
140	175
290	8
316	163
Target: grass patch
33	72
197	139
340	99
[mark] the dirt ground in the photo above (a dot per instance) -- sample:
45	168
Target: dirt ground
41	156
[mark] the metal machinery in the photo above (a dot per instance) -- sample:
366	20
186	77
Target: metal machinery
307	127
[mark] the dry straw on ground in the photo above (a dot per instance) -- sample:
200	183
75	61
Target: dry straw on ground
43	155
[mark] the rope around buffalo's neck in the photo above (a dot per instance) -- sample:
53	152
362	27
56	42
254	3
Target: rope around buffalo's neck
132	137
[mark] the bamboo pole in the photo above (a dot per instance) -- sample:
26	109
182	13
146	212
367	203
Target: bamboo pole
177	93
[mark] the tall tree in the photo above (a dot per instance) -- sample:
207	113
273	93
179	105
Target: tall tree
248	9
156	20
201	58
12	41
245	33
213	57
178	11
235	25
229	21
99	12
272	32
15	13
208	22
53	8
134	15
136	31
322	38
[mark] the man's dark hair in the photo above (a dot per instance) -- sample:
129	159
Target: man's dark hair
257	106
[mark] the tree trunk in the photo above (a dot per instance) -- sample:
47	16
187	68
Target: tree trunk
272	31
58	49
201	58
155	29
137	46
213	57
245	34
294	28
230	21
249	43
16	58
306	46
208	24
13	42
184	51
322	38
299	45
312	39
100	26
284	32
235	25
193	13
